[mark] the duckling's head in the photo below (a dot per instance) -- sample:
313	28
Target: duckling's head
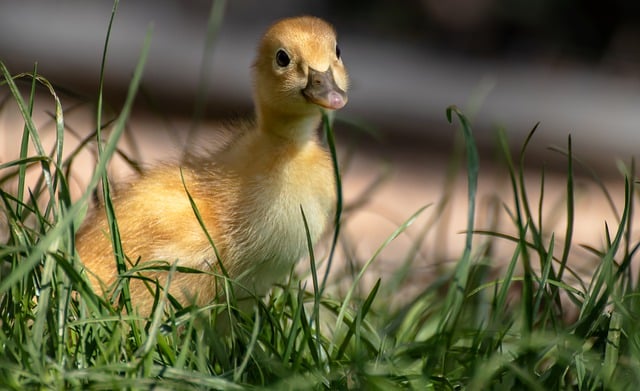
298	69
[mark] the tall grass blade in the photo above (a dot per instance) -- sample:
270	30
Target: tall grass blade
522	225
30	126
356	325
239	372
196	212
570	213
365	267
314	277
456	295
24	146
602	284
328	130
112	222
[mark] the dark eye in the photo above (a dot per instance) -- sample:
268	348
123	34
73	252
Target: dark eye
282	58
338	52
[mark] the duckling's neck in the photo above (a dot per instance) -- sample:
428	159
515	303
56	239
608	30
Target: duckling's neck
291	128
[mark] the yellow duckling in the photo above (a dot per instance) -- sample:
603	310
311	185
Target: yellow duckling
249	194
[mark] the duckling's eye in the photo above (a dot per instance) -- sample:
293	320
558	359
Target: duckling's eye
338	52
282	58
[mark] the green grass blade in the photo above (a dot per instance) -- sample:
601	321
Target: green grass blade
296	327
239	371
522	226
355	327
24	145
103	67
570	213
629	228
502	295
29	125
456	294
542	290
595	178
535	231
314	278
205	230
156	318
112	222
603	280
365	267
328	130
612	349
312	344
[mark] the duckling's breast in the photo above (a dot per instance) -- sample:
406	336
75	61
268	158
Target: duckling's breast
269	233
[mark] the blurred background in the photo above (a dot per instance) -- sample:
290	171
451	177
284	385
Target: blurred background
572	65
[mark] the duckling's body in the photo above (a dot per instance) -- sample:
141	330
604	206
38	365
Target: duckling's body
249	194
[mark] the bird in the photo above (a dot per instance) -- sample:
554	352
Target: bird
250	195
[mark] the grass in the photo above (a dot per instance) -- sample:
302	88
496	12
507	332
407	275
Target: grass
469	329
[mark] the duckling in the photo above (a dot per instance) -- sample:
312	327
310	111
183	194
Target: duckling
249	194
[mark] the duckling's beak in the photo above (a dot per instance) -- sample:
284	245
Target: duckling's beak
322	90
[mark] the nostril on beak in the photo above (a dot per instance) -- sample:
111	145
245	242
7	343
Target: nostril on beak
315	78
322	90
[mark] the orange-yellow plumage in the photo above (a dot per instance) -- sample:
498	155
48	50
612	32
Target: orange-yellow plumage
249	194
